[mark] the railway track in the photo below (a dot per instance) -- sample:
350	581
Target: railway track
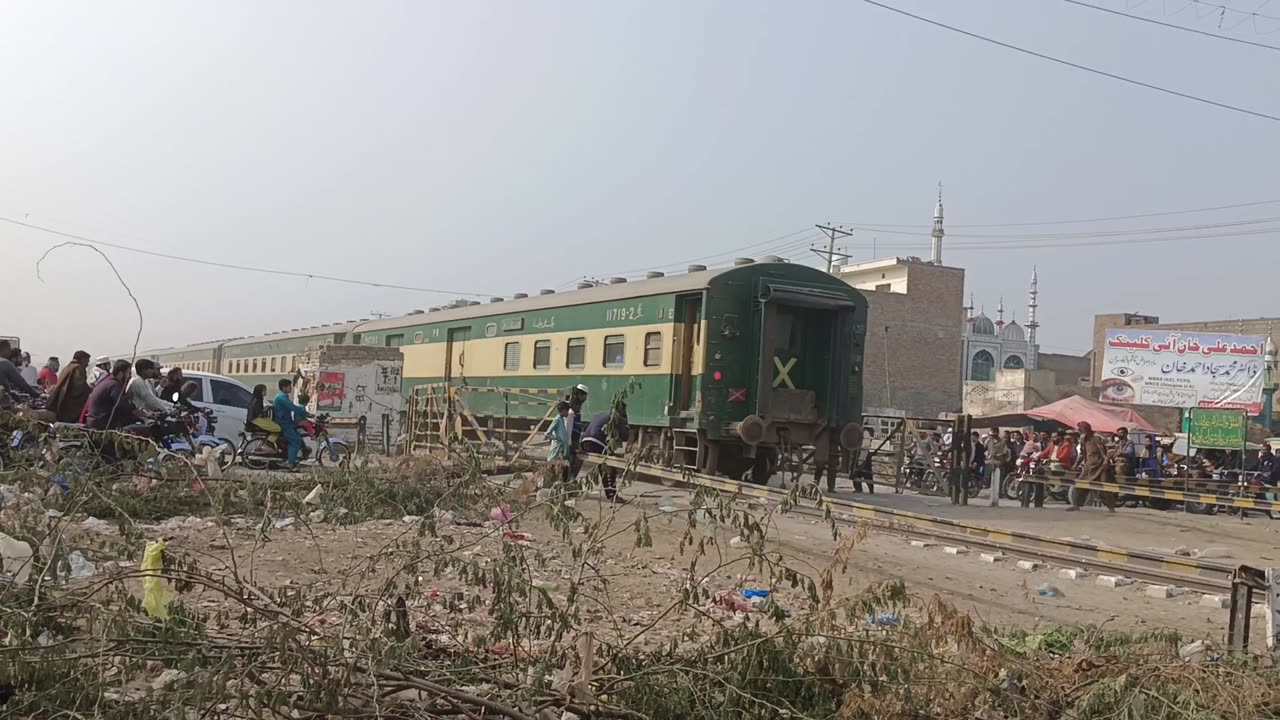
1145	565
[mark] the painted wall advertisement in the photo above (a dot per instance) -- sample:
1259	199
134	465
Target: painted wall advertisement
1171	368
330	390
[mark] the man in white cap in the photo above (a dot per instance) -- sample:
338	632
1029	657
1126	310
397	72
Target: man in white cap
574	422
101	369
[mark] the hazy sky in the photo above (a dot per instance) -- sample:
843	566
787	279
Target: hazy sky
498	147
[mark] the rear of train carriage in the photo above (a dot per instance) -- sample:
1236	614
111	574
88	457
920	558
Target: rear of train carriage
721	369
781	364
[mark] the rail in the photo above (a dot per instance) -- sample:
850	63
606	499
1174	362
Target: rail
1244	585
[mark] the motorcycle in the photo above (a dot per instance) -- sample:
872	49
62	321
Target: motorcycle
77	446
188	429
264	450
926	478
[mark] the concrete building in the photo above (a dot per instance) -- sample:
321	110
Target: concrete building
912	362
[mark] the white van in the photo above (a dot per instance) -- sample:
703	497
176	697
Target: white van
226	397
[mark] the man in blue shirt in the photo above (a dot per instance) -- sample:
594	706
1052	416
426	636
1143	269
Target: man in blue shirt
287	413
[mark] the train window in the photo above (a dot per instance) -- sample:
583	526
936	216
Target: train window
652	349
395	340
273	364
542	355
575	356
511	358
255	365
615	351
293	364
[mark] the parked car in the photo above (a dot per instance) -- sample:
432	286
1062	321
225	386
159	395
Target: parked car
226	397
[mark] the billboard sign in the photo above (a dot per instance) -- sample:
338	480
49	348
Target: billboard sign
1216	429
1178	368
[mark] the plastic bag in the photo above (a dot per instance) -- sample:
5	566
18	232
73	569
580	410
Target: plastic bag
155	591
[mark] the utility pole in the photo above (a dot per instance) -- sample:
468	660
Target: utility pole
379	315
832	232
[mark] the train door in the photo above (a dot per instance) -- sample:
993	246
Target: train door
690	341
455	366
455	358
796	358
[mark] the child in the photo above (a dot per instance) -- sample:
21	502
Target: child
558	434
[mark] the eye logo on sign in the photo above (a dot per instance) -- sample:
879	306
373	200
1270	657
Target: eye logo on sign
784	372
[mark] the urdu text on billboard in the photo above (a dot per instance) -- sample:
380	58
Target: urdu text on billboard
1172	368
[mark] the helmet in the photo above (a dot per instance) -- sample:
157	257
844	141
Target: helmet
582	387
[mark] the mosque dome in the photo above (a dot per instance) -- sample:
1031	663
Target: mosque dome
1013	331
982	325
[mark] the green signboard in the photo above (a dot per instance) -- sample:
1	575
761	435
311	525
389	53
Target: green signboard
1216	429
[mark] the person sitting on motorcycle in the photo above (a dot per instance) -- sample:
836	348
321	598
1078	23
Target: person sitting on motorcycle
109	408
306	427
923	449
140	390
1033	447
10	377
256	417
286	413
170	386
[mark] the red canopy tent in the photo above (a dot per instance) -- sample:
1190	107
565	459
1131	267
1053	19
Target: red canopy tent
1071	411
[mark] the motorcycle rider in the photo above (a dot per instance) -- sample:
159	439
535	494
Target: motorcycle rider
11	378
286	413
1032	492
256	417
109	408
141	391
101	369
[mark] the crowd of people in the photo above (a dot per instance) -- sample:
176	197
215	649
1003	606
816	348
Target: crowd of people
1097	457
123	396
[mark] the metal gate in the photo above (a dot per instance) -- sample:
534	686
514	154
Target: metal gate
510	423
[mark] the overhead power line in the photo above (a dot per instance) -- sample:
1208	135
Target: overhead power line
1077	221
1007	237
1077	66
231	266
1115	242
1175	27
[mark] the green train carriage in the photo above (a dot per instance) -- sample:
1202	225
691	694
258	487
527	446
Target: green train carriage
720	366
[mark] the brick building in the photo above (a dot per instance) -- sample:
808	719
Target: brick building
912	361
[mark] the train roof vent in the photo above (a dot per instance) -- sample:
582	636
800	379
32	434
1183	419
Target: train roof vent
474	302
495	299
770	259
584	285
697	268
433	309
546	292
415	312
617	280
739	262
654	274
519	296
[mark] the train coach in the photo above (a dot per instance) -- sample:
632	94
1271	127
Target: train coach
719	367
